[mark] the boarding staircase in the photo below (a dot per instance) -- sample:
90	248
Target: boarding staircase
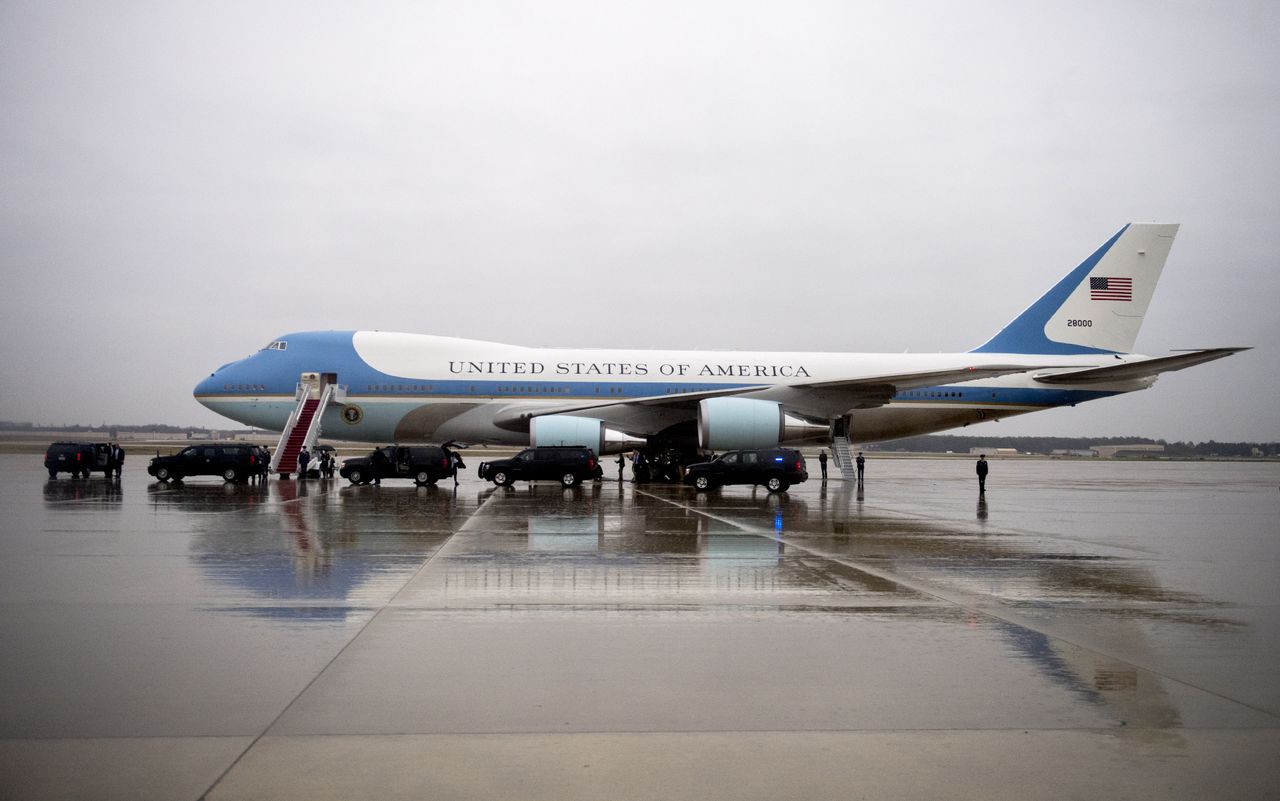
844	457
302	430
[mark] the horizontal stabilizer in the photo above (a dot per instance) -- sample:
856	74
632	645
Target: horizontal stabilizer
1141	369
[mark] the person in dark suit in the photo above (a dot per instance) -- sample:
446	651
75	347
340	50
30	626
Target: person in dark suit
982	474
117	459
822	462
455	462
861	462
304	459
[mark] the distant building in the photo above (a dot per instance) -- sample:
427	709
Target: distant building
994	451
1127	451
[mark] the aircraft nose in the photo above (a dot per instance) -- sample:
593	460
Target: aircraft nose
213	383
204	385
204	389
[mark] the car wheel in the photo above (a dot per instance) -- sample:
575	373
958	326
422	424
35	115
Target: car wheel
702	483
501	479
776	484
163	474
568	479
230	474
355	476
423	477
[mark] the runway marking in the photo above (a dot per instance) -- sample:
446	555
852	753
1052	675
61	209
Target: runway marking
969	602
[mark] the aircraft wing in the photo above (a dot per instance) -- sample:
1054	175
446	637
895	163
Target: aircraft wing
927	378
1142	369
517	417
873	389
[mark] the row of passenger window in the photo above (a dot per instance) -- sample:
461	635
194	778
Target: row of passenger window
399	388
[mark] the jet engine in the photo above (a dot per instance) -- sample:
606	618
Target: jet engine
728	423
563	429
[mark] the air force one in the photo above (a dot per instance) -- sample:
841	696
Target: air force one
1070	346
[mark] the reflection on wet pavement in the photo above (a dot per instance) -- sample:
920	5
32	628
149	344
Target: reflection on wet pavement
1073	596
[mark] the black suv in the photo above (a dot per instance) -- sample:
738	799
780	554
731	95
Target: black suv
775	468
425	464
78	458
232	462
568	465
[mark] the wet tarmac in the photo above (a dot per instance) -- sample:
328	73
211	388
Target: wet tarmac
1090	629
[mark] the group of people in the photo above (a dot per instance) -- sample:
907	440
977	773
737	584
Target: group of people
861	462
325	465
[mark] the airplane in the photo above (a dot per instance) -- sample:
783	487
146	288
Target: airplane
1071	346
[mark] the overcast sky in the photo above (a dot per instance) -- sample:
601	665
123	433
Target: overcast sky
182	182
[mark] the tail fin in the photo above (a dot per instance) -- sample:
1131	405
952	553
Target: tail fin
1099	306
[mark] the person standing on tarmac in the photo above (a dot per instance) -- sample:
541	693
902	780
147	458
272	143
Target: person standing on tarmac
982	474
861	462
455	461
117	459
822	462
622	463
304	459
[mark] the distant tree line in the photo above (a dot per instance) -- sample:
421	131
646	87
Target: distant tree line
962	444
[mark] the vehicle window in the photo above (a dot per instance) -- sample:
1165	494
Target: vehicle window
526	456
730	458
192	451
750	457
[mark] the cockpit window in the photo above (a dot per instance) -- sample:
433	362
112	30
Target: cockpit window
279	344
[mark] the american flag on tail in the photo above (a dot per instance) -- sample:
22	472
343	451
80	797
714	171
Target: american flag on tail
1107	288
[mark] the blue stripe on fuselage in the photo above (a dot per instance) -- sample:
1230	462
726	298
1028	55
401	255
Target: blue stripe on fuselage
1012	396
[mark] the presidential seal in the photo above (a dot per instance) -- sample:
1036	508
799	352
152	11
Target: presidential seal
352	414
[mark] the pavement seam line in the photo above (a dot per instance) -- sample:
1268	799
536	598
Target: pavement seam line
970	603
258	737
